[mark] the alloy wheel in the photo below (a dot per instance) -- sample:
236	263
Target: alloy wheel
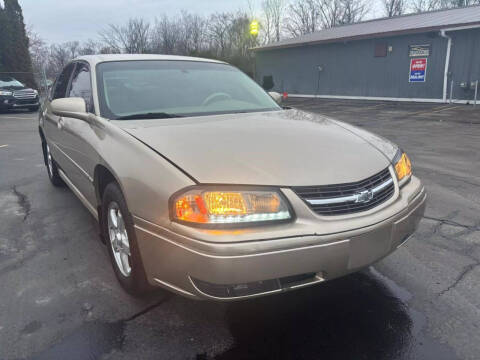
119	239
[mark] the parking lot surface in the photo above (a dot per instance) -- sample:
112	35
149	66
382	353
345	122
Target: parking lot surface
60	299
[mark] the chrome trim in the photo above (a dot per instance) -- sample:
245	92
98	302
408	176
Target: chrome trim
24	94
175	288
355	197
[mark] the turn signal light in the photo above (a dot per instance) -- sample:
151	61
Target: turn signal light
403	167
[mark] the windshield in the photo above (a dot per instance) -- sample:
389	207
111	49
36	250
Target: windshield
156	89
10	83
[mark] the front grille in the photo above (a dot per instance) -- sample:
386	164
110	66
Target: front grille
24	94
348	198
24	101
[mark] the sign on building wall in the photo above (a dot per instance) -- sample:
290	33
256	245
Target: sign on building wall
419	50
418	70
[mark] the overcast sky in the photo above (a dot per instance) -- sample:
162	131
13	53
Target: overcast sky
66	20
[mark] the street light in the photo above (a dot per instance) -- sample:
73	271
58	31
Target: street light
254	28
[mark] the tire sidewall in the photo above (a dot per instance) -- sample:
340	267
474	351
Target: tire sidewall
135	283
54	177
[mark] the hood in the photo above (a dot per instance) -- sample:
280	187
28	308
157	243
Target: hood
283	148
14	88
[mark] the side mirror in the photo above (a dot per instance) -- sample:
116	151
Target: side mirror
74	107
276	96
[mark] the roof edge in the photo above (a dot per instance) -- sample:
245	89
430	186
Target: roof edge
364	37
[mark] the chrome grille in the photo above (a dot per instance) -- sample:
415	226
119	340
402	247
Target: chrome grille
24	94
348	198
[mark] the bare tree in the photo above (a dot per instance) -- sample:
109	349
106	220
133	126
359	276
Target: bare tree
166	35
59	56
304	17
353	11
73	48
307	16
89	47
459	3
192	33
132	38
218	33
273	15
39	54
394	7
425	5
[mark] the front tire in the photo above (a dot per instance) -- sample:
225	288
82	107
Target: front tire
118	230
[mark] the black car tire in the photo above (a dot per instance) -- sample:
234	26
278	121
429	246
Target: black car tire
135	283
52	168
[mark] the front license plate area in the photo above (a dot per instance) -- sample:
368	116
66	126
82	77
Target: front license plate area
370	247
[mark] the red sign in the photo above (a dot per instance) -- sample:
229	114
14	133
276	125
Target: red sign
418	70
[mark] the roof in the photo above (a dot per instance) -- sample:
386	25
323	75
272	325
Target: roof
95	59
405	24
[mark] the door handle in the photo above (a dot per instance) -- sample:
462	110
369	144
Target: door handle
60	123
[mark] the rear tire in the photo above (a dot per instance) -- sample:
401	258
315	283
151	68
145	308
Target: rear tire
119	233
52	168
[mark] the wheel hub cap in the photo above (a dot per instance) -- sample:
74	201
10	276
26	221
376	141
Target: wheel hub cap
119	239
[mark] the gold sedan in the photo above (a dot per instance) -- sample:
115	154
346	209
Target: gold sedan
204	185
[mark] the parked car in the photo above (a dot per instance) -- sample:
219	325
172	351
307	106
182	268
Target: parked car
202	184
14	94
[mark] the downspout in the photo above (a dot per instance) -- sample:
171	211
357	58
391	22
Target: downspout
447	63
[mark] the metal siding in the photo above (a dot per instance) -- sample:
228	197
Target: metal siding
464	61
350	69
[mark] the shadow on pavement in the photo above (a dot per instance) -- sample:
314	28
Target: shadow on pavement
356	317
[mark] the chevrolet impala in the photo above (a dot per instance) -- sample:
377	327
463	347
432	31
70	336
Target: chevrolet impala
204	185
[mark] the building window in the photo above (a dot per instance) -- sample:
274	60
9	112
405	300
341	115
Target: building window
380	50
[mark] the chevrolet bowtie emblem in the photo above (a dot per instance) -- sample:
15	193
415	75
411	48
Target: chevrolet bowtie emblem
364	196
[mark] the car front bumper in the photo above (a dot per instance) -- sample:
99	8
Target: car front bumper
10	102
228	271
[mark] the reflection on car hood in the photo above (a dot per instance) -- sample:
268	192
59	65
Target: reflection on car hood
286	148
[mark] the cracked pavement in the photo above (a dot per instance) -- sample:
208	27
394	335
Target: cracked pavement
60	298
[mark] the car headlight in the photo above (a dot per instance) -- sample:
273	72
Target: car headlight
403	166
207	206
35	92
6	93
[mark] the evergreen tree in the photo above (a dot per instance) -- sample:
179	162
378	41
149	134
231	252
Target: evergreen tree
2	36
14	54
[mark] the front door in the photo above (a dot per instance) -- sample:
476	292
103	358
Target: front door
79	136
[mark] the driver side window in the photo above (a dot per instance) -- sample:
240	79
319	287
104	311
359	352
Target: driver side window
61	83
81	85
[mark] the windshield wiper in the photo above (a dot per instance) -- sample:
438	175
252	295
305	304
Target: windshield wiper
149	115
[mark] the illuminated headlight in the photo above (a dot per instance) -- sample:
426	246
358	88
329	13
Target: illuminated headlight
403	167
5	93
229	206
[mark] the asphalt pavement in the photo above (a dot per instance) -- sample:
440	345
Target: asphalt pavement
60	299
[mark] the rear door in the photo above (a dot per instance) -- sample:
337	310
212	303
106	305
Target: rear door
53	123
